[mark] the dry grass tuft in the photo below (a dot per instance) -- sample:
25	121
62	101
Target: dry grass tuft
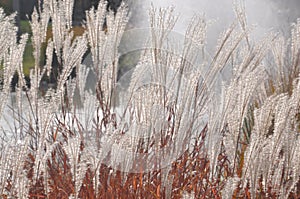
70	142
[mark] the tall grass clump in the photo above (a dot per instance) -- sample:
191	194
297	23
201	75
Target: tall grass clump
175	131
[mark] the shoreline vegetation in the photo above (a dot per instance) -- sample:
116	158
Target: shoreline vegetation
153	143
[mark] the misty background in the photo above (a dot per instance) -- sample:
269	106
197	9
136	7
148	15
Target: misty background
264	15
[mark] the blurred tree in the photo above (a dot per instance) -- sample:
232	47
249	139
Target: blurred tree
7	6
25	7
80	6
114	4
